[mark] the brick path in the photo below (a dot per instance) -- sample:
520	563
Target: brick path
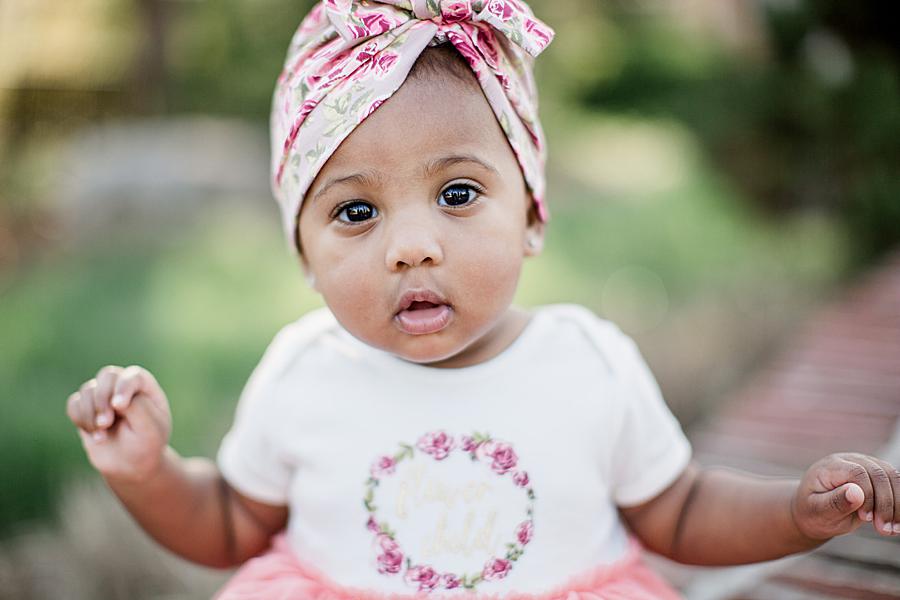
835	387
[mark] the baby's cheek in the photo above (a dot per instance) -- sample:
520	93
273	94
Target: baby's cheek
492	274
350	290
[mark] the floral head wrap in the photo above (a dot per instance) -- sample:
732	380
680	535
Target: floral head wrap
349	56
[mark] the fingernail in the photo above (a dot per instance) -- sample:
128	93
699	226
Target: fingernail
102	420
887	528
100	435
896	527
869	516
118	401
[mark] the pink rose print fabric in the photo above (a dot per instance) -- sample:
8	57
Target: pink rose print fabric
278	573
496	455
348	56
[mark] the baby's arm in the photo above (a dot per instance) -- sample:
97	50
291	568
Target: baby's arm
184	504
716	516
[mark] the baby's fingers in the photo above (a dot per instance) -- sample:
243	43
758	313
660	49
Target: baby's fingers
881	502
131	381
894	476
106	381
887	497
844	468
80	407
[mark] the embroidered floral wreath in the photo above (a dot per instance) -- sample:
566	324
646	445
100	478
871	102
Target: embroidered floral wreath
439	445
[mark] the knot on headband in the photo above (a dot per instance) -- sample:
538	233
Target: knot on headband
355	20
348	56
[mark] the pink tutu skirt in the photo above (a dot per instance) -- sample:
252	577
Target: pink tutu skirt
278	575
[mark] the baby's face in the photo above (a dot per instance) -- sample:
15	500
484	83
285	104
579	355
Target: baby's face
423	203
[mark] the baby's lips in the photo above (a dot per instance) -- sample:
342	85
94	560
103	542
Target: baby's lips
419	295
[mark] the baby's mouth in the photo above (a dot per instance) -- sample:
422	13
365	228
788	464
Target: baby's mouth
420	305
424	317
422	312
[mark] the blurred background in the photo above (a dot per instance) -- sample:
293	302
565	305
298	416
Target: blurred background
718	169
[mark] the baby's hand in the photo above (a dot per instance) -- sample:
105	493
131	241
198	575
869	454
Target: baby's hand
124	421
841	491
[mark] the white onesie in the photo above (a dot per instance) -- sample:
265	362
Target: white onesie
503	476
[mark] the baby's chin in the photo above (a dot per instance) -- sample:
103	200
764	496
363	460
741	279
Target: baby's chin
430	350
428	353
451	347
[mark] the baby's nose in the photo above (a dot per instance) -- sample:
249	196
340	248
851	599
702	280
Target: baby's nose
413	245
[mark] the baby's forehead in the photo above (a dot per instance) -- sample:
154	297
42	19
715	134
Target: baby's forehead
429	114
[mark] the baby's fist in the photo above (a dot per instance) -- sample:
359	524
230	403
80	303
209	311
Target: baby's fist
841	491
124	421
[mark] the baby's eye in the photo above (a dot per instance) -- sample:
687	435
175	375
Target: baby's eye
356	212
458	194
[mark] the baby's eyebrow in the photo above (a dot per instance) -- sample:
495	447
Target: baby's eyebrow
366	179
444	162
374	177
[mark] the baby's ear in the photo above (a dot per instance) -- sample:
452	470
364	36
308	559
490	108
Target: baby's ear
534	233
307	273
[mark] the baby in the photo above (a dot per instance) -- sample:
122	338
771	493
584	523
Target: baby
421	434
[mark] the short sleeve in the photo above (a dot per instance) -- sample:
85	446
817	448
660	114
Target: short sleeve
250	457
650	449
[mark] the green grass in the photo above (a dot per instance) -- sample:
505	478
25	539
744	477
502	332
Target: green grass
196	310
